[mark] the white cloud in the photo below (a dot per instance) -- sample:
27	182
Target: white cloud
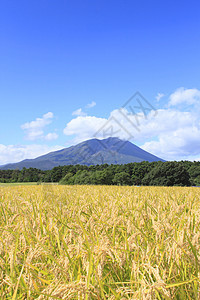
16	153
184	96
39	122
79	112
90	105
170	134
51	136
159	96
83	127
35	129
179	144
126	124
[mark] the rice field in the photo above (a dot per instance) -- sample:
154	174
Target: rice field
99	242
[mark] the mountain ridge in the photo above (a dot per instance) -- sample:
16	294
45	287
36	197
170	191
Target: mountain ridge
91	152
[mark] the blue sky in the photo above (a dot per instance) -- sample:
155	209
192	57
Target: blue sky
66	67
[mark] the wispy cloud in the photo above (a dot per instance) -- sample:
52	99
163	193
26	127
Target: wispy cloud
51	136
16	153
159	96
35	129
90	105
79	112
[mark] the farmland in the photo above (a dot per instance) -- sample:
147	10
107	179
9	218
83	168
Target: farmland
99	242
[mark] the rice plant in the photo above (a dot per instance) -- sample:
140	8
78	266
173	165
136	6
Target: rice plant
99	242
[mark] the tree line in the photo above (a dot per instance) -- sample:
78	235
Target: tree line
183	173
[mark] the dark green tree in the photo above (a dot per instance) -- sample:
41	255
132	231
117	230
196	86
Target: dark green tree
167	174
67	179
194	172
122	178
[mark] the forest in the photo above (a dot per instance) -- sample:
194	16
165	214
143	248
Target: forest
172	173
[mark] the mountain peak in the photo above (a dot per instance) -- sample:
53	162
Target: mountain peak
111	150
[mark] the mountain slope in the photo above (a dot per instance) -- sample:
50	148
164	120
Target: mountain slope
91	152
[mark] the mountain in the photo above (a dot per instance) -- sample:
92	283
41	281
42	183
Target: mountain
91	152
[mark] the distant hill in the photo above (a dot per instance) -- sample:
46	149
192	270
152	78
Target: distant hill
91	152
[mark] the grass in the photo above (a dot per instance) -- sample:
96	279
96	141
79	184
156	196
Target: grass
27	183
99	242
17	183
